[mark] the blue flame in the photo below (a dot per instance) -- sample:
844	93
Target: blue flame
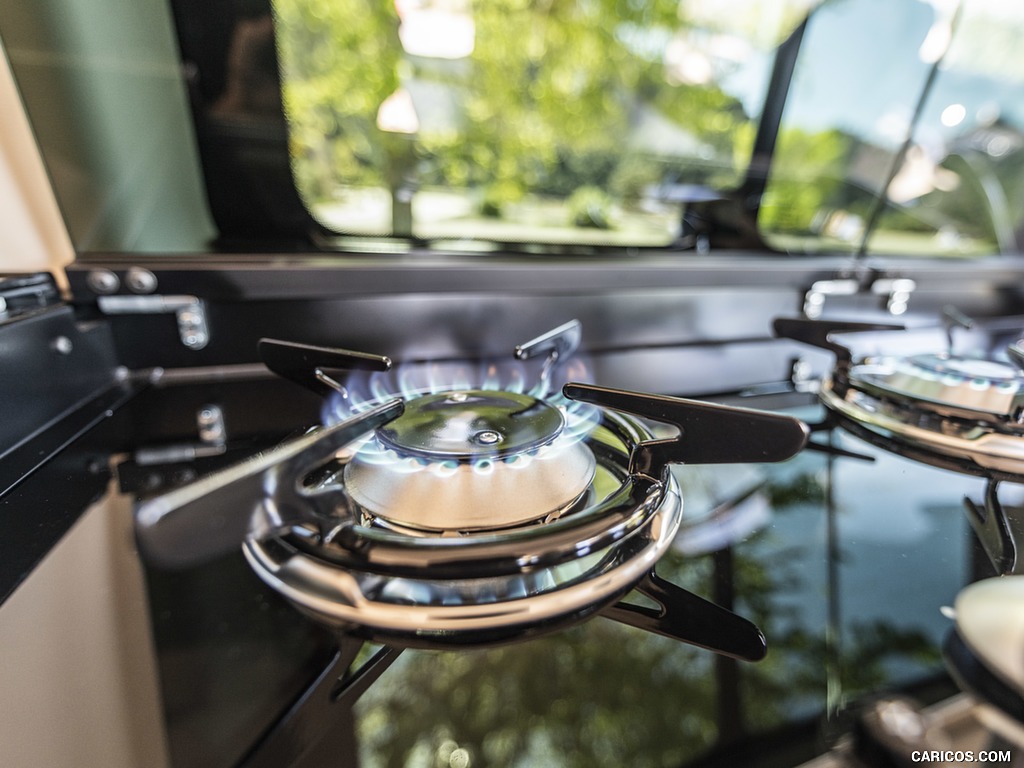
363	390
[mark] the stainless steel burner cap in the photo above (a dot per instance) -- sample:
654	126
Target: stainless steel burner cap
470	460
472	424
944	384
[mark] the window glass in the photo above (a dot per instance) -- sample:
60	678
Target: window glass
572	121
902	132
960	186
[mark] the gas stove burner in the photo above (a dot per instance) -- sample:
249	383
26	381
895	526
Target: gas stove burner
983	652
948	410
471	460
964	414
472	515
980	373
944	383
474	424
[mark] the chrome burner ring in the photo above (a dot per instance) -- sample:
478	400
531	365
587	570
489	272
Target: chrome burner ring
978	446
976	369
443	591
432	612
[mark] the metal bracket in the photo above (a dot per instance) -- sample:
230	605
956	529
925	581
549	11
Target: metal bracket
994	526
213	438
895	290
953	318
1015	352
254	499
683	616
814	298
818	333
559	344
310	366
188	310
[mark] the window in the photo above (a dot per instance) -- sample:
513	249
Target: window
566	121
903	132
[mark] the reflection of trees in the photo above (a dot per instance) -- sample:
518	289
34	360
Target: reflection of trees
602	694
867	653
985	203
803	488
597	695
808	173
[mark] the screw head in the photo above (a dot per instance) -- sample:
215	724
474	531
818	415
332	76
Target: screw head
140	280
62	345
103	281
487	437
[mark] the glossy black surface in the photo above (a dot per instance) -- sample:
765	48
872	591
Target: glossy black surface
58	385
39	508
255	654
316	715
51	364
232	656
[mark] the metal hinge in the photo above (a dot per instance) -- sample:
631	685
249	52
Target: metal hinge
189	311
814	299
895	290
212	441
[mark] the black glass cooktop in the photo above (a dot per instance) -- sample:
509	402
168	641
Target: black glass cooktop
845	564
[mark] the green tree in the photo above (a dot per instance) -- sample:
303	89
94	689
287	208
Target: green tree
341	60
544	104
807	175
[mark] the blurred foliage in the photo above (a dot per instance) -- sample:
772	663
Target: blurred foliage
590	207
560	700
633	175
341	61
543	106
868	649
987	187
559	96
801	488
807	177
